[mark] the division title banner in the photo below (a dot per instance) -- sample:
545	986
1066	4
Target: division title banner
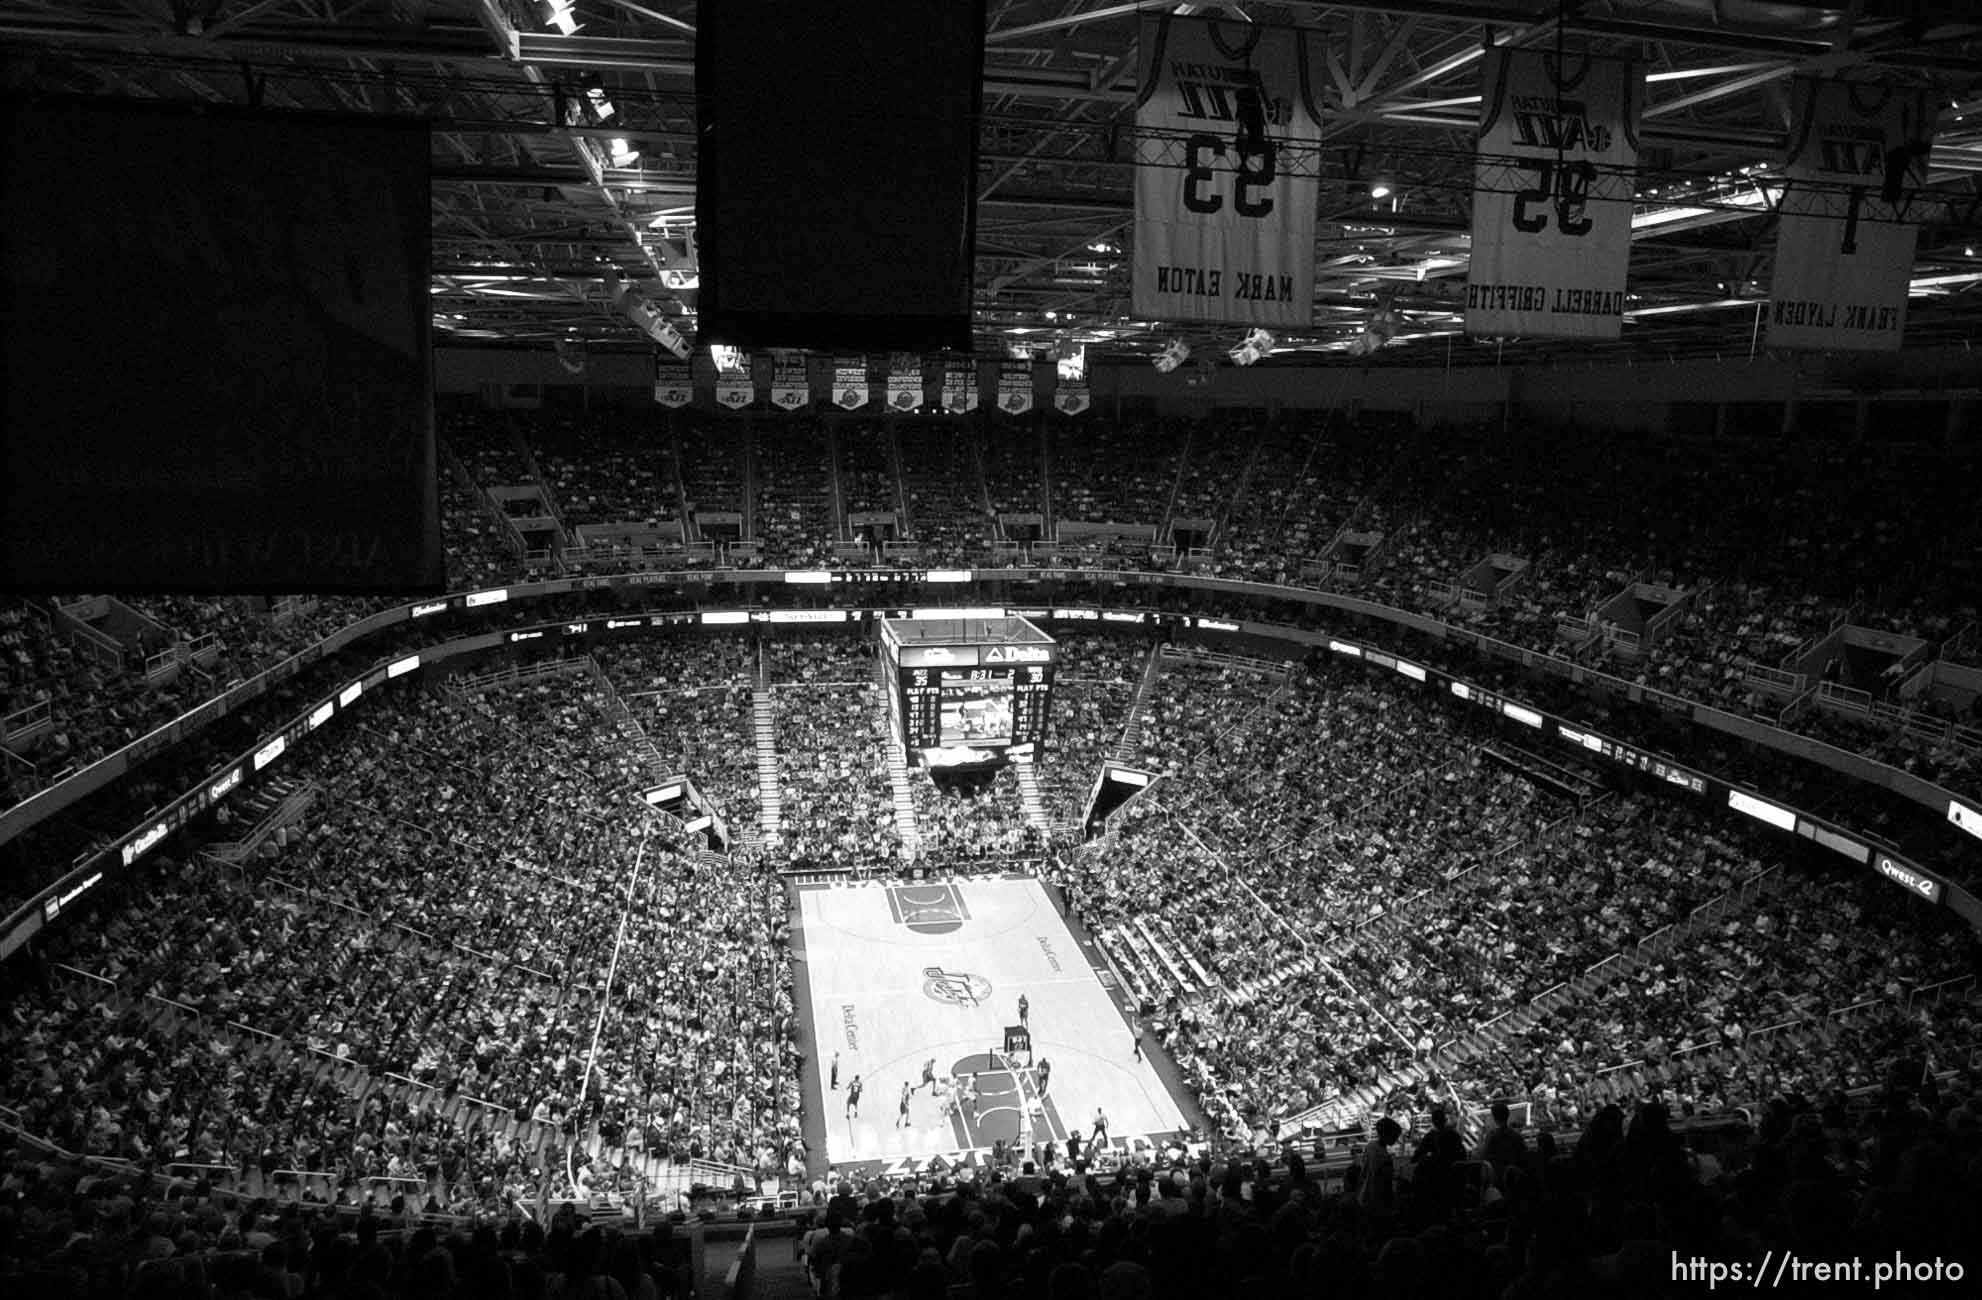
1228	129
1552	196
1844	244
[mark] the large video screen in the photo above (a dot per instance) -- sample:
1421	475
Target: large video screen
218	374
977	710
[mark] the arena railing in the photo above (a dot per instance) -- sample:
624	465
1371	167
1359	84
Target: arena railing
46	802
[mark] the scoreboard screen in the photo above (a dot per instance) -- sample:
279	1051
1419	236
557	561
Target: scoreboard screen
969	686
991	706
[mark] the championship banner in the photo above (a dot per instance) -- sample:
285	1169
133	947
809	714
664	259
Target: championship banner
850	382
904	381
1228	133
734	390
1844	244
1552	196
673	385
960	386
1070	399
1015	387
788	385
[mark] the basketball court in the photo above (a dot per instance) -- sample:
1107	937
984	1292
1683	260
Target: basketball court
899	975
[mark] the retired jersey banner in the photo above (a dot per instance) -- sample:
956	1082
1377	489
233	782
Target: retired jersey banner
1228	132
673	385
1552	195
734	389
904	381
850	382
1070	399
1015	387
1844	244
960	386
788	387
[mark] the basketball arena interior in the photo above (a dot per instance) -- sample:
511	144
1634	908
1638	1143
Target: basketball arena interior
990	648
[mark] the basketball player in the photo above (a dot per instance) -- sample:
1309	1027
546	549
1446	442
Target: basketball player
1100	1137
1073	1149
836	1071
902	1118
1025	1012
970	1095
1045	1073
853	1098
929	1075
1137	1030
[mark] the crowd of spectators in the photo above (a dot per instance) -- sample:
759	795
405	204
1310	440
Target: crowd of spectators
1334	882
794	493
1013	465
1590	512
692	696
1884	1178
974	818
606	469
711	455
942	487
837	808
449	919
1382	886
867	466
1094	684
1106	471
81	1232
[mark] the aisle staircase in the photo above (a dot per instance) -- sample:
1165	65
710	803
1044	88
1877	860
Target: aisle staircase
1030	799
1130	741
628	726
764	735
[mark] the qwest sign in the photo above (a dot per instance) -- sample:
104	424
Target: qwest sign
1925	886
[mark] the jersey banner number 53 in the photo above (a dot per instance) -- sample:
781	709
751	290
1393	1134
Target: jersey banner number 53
1228	133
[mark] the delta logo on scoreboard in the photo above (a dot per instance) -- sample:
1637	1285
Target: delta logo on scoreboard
1017	654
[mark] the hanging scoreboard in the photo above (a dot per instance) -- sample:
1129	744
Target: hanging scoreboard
968	690
1228	136
1552	195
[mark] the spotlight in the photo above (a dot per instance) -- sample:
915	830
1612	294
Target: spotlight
1381	189
559	15
1172	356
1257	344
623	153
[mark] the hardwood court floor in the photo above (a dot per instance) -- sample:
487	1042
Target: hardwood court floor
902	973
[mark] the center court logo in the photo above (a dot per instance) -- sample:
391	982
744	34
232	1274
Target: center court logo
957	988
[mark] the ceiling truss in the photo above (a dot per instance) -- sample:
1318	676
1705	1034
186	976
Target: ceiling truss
534	222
